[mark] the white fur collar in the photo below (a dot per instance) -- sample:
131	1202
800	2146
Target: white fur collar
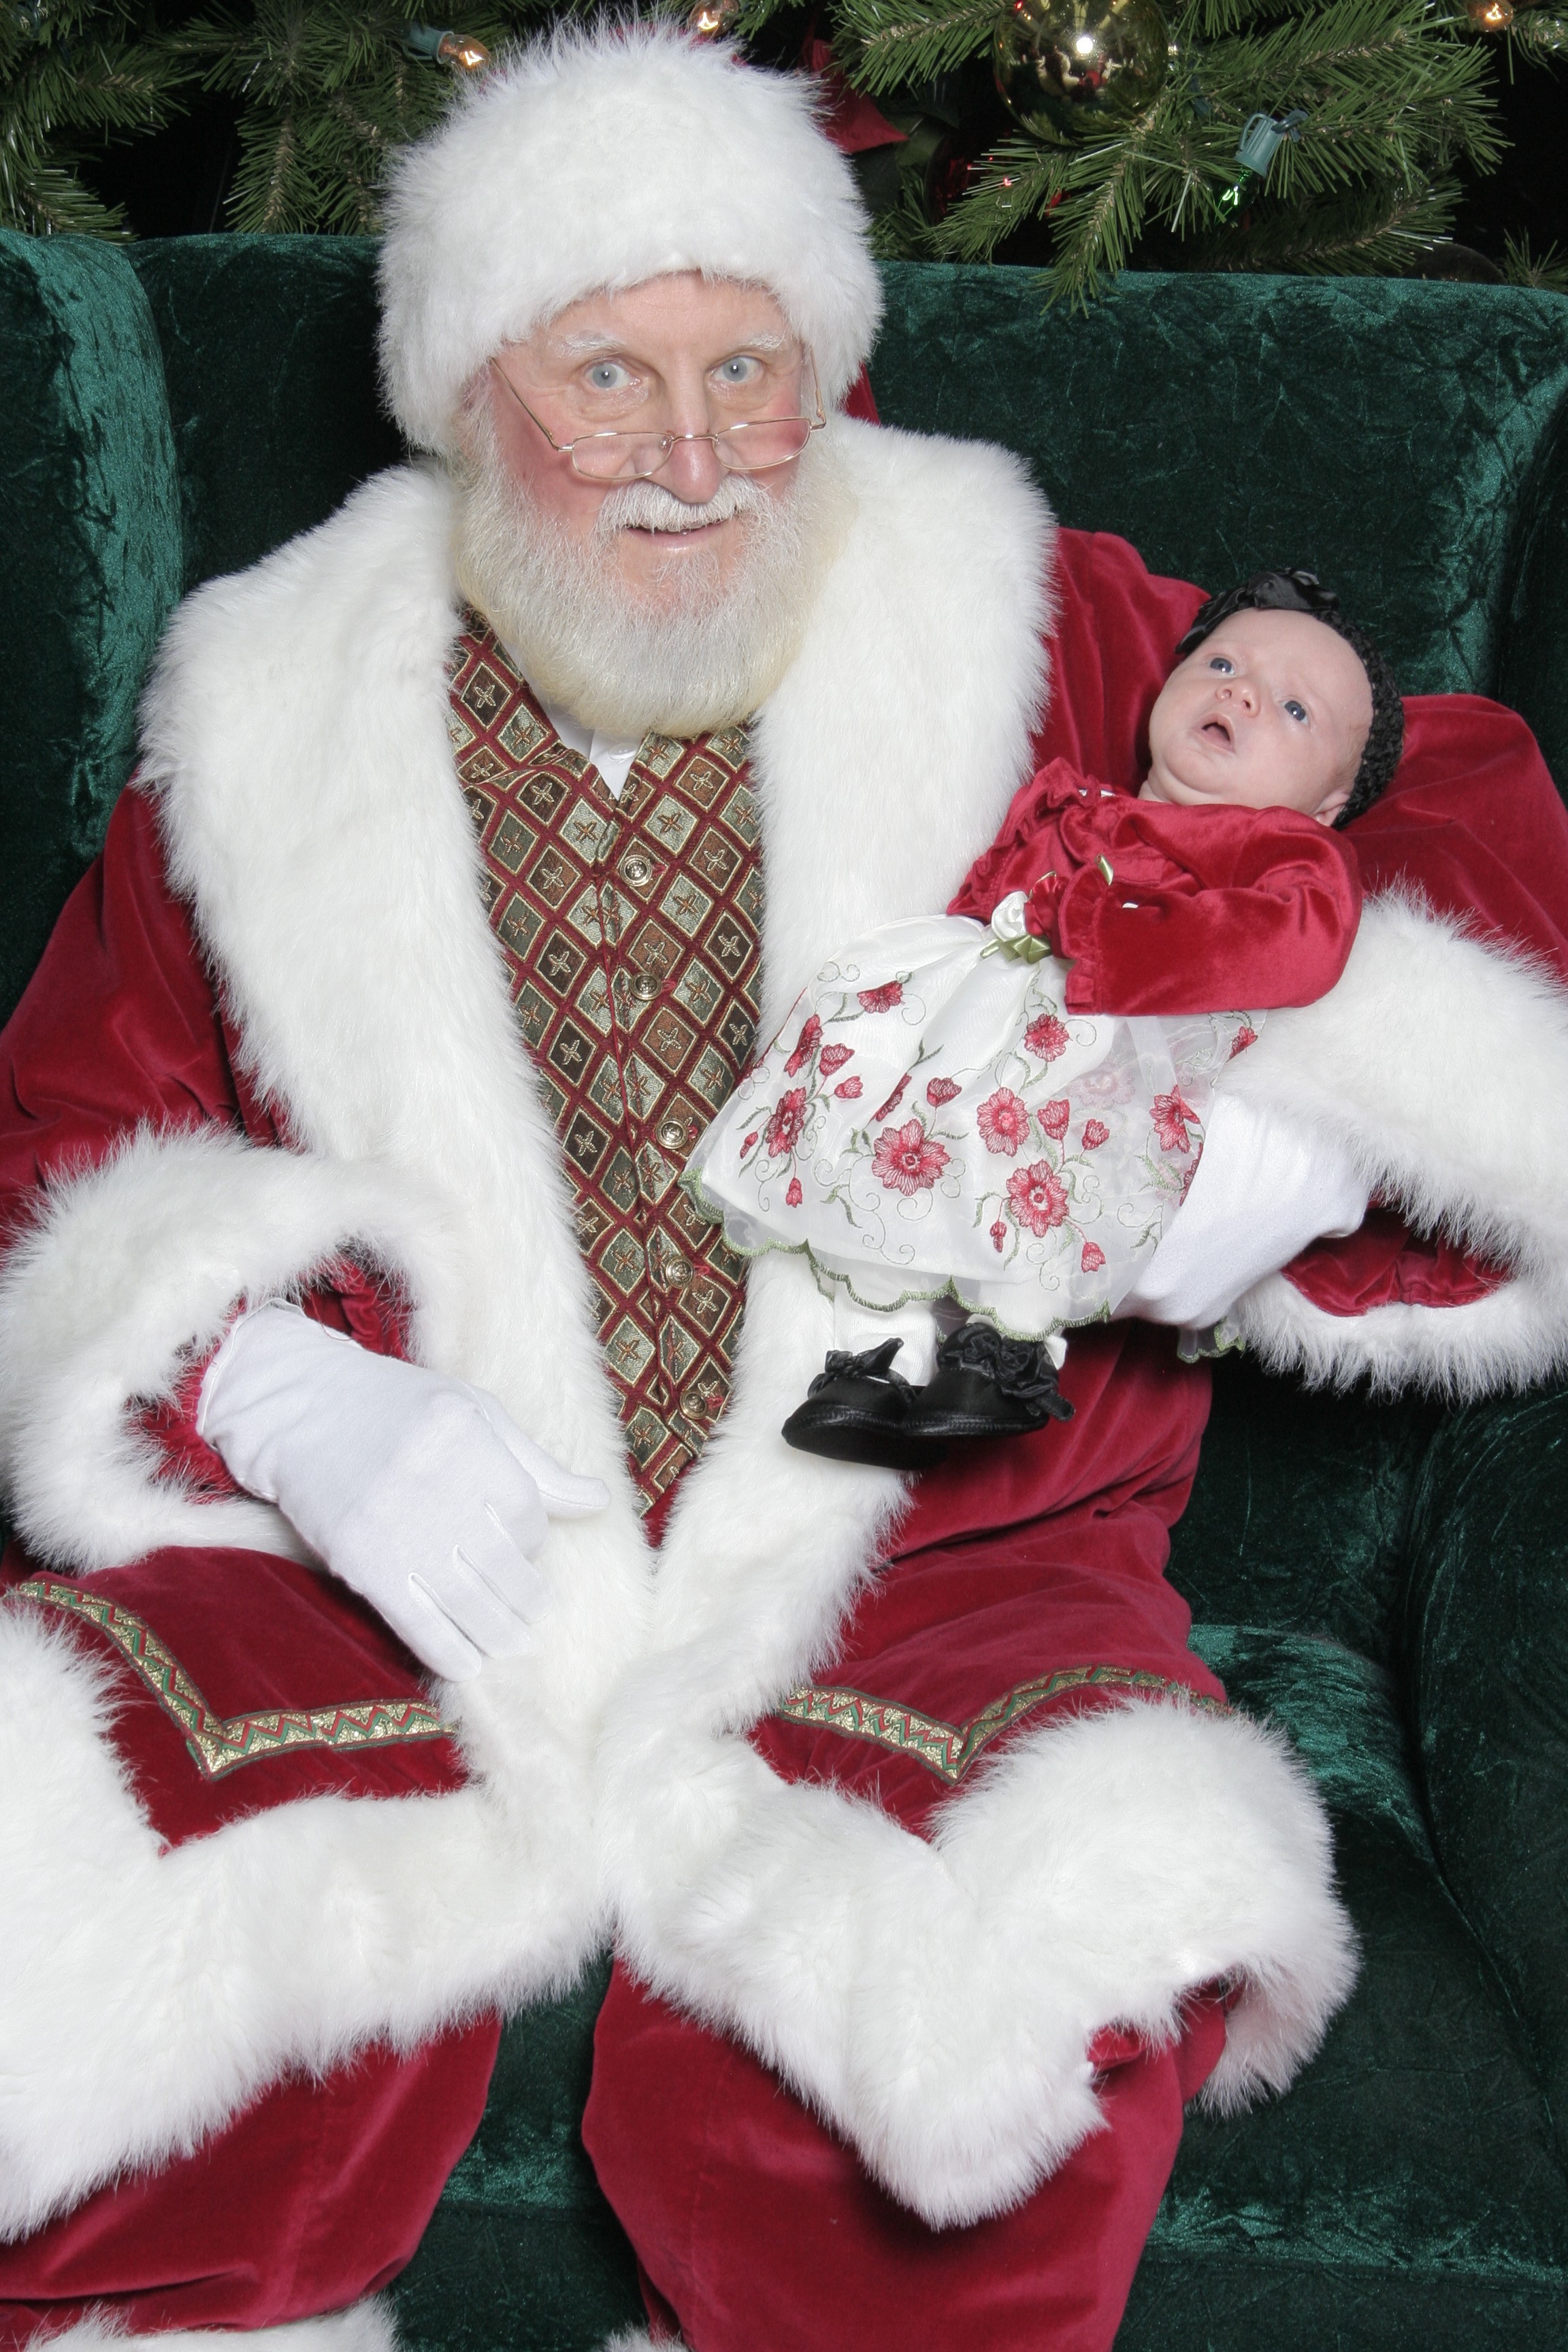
321	837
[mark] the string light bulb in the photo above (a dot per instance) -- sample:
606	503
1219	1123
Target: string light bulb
460	50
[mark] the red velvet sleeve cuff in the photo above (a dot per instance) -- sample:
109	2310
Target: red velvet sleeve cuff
349	1300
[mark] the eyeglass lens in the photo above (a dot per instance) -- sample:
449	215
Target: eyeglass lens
740	448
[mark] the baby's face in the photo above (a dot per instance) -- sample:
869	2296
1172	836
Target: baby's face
1271	711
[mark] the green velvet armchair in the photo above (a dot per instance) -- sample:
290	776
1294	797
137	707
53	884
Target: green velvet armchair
1388	1580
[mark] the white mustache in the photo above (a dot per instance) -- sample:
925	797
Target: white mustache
649	506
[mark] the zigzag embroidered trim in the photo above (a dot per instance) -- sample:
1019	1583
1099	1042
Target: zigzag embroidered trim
220	1744
949	1749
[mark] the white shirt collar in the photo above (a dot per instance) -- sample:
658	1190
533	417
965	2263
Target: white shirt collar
611	754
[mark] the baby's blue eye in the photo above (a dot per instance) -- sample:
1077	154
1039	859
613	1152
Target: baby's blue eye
1296	710
1219	662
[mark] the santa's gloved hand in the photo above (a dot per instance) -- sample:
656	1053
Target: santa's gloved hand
1265	1187
416	1489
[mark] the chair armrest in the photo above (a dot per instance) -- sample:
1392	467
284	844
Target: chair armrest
1485	1644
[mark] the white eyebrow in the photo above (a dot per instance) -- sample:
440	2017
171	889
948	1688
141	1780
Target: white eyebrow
579	346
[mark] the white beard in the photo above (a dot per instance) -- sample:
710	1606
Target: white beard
705	650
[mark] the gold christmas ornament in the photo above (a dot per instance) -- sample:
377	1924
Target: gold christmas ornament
711	17
1490	16
1068	67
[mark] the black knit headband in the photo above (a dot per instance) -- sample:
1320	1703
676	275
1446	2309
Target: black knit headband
1303	592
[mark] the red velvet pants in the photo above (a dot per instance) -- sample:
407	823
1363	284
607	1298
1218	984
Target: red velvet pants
753	2223
755	2227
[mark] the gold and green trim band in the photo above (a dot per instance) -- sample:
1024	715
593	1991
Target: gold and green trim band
949	1749
219	1743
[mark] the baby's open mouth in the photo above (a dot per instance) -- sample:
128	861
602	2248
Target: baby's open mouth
1217	731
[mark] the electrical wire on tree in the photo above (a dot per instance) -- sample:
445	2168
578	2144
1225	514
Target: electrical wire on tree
1309	137
1318	135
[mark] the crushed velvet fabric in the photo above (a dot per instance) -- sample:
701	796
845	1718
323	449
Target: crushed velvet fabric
89	529
1387	434
1409	2192
1389	1582
1484	1638
268	351
1232	906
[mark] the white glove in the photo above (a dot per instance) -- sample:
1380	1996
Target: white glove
1265	1188
416	1489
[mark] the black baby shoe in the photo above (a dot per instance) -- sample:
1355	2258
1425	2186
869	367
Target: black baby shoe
857	1409
986	1386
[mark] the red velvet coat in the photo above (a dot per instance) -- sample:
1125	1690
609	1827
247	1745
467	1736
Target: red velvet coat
169	1000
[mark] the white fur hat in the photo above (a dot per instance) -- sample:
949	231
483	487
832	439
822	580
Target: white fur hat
596	160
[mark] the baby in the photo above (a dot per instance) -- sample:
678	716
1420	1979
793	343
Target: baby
979	1126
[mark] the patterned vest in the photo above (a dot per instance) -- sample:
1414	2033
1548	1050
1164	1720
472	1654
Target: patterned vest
630	930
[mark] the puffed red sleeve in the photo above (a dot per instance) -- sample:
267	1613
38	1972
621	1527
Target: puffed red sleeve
1163	909
1203	910
120	1028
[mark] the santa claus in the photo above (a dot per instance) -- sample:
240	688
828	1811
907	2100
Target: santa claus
417	1588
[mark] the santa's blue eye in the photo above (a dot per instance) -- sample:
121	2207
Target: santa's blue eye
607	375
740	370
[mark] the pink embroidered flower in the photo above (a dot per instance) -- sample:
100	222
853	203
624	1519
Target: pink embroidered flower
794	1196
1048	1038
906	1160
1170	1113
847	1089
1095	1133
883	999
1003	1120
940	1091
1105	1085
784	1127
999	1236
834	1058
1245	1036
1038	1197
1093	1258
1054	1118
886	1111
811	1032
750	1141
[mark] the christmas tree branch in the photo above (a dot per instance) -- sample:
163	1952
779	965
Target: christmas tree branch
1372	231
888	43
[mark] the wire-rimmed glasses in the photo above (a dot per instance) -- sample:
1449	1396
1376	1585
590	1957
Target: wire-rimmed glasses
754	446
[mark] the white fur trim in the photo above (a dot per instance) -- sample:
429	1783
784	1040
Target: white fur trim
1441	1064
147	1994
126	1269
334	877
365	2326
598	160
934	2002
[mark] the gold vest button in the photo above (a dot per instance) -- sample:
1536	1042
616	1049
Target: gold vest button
673	1134
636	868
676	1269
646	986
